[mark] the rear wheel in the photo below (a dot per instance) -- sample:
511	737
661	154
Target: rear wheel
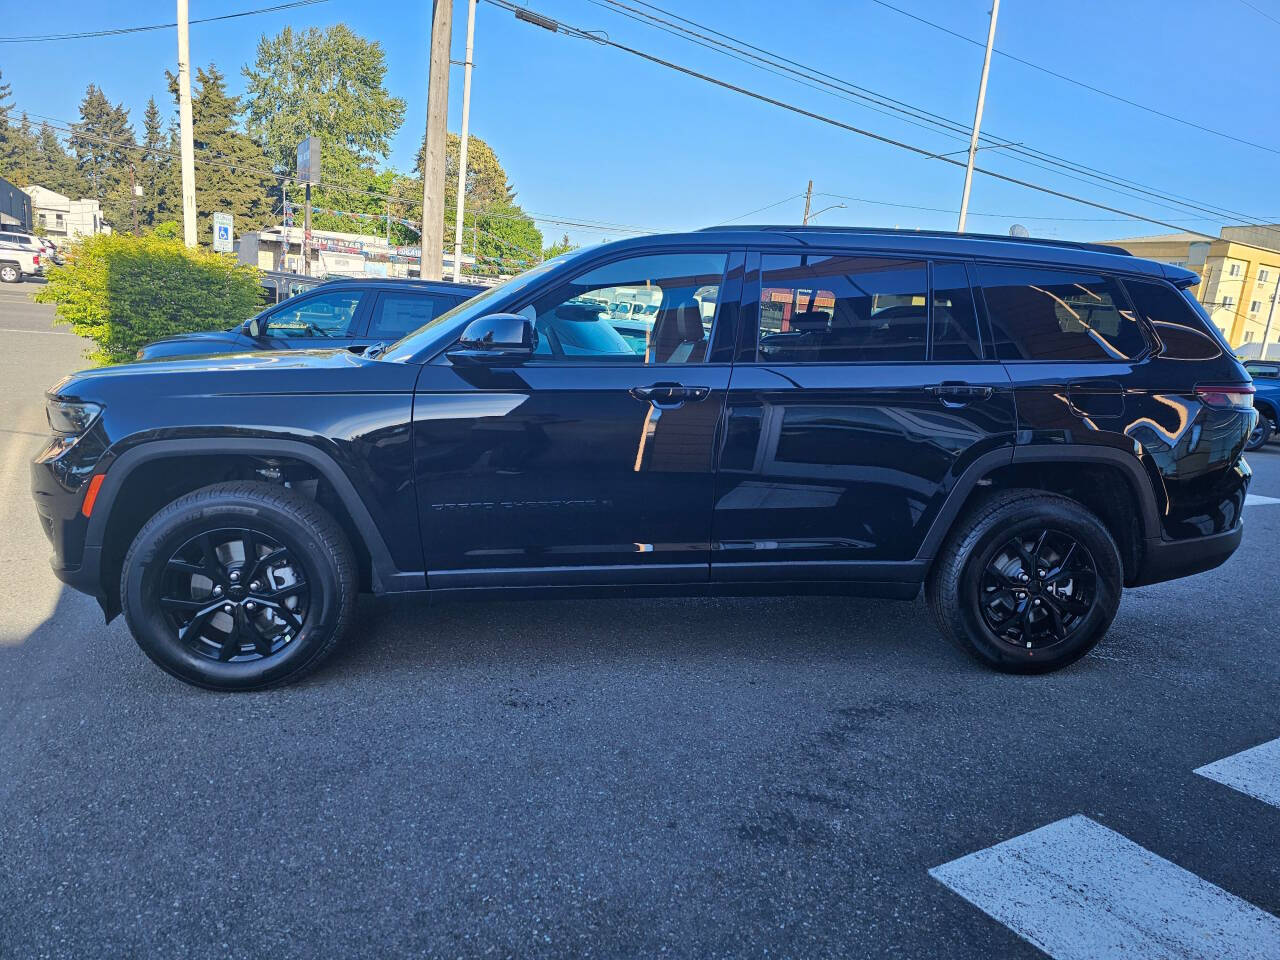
1261	433
9	273
1028	582
239	586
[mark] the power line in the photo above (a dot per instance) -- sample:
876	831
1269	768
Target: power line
121	31
573	222
1078	83
1002	216
739	49
558	27
767	206
1260	11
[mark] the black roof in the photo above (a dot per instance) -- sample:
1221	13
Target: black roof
929	234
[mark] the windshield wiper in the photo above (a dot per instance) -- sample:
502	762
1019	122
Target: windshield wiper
373	352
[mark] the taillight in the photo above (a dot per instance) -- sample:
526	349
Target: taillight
35	259
1238	396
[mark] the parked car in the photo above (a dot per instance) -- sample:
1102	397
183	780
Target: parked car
1266	381
21	256
1041	425
349	313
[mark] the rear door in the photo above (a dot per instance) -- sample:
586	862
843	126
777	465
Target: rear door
863	389
592	462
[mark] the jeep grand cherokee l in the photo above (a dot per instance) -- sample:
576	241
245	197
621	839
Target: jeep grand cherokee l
1023	428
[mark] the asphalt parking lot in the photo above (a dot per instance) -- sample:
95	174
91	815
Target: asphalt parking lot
709	778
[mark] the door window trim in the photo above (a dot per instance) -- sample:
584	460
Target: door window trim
359	321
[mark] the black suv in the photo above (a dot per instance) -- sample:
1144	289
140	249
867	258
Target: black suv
1022	427
350	313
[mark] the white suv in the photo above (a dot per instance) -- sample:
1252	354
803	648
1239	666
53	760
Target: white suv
21	255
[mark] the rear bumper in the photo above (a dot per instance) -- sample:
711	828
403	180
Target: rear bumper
1171	559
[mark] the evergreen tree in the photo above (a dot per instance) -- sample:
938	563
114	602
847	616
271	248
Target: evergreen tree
54	168
157	172
230	167
105	148
17	142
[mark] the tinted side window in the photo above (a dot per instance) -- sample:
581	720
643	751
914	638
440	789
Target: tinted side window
955	321
817	308
1181	334
324	315
1039	314
399	314
604	315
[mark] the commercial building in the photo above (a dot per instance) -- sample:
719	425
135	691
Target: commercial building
62	219
334	254
1239	274
15	206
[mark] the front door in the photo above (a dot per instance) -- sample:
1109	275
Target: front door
862	392
593	462
332	318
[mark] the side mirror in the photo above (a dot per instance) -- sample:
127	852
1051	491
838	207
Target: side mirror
496	338
254	328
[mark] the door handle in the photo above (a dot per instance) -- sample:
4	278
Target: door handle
953	393
669	394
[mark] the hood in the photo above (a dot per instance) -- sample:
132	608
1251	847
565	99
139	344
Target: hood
259	371
232	336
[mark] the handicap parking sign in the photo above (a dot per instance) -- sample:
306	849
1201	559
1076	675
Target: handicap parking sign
222	232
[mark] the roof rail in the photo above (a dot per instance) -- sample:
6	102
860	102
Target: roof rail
792	228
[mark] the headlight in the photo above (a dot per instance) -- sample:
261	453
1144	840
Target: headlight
71	418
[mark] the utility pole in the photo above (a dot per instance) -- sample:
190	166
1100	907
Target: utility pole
808	199
184	123
387	206
437	137
977	116
306	231
1271	313
460	203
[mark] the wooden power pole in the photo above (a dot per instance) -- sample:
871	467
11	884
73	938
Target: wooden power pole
436	141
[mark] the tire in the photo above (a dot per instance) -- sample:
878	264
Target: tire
1261	433
9	273
968	589
182	593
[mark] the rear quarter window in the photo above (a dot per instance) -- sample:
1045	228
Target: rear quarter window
1181	332
1060	315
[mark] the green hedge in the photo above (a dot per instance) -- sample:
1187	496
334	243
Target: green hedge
122	291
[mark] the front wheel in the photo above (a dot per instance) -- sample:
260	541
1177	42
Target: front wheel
1262	432
239	586
1028	582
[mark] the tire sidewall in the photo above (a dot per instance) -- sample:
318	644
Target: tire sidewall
142	578
9	274
1266	428
997	531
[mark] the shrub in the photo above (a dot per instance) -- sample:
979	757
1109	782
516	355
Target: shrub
122	291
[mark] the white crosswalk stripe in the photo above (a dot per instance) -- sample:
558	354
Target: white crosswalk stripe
1079	891
1255	771
1257	500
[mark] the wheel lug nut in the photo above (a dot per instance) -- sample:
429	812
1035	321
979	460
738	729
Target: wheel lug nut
227	608
217	591
1025	578
255	585
235	575
253	606
1040	573
1035	602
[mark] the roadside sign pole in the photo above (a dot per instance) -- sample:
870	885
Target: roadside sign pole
184	123
977	117
460	200
306	233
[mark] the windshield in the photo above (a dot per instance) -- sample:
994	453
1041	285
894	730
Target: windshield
410	345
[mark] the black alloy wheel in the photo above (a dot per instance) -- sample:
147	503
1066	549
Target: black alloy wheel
234	594
239	586
1037	588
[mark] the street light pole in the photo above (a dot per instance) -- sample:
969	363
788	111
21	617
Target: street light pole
460	200
437	136
184	124
977	116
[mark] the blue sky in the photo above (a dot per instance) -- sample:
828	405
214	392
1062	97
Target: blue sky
592	133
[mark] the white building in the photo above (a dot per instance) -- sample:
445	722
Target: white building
333	254
63	219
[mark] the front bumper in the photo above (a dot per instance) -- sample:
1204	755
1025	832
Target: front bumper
58	504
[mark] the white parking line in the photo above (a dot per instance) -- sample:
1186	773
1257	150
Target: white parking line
1255	771
1257	500
1079	891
